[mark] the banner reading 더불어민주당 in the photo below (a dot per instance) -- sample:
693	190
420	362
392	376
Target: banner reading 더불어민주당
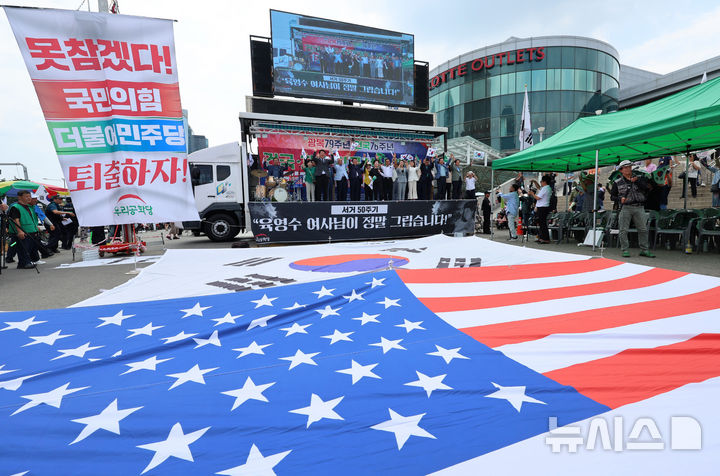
108	87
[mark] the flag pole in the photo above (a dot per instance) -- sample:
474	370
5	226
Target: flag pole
490	198
595	203
685	179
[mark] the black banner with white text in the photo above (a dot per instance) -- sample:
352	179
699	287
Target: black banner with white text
274	222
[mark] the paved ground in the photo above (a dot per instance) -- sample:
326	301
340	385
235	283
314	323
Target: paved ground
52	288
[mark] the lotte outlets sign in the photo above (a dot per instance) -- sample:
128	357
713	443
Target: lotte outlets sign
524	55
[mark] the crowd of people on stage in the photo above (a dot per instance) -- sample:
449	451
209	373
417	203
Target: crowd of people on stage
20	223
348	62
330	177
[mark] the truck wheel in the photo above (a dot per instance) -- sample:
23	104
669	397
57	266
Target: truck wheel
221	227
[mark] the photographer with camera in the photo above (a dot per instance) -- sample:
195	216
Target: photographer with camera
631	192
543	206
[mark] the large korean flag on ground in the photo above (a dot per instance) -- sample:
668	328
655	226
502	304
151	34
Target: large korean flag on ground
108	87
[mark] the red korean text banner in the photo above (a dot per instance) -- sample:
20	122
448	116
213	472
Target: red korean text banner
108	87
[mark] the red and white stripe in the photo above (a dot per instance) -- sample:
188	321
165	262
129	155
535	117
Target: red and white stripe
618	332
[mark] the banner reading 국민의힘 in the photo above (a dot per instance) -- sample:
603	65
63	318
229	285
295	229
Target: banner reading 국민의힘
108	87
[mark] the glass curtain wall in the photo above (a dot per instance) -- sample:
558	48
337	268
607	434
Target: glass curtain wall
569	83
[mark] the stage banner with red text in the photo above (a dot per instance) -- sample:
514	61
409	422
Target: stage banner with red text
287	149
108	87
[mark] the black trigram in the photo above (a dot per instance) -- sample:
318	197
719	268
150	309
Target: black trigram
409	250
249	282
459	263
253	261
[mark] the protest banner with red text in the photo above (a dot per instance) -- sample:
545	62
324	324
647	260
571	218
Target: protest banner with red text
108	87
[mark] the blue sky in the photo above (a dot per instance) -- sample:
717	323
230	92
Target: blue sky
213	49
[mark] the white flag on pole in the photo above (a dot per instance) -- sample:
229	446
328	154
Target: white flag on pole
526	138
431	152
303	154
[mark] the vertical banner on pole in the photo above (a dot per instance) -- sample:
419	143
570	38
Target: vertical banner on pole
108	87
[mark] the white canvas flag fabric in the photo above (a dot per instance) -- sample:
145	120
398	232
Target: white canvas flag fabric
108	87
231	270
526	138
431	152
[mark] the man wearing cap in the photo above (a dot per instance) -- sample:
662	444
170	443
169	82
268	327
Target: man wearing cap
23	229
631	192
56	216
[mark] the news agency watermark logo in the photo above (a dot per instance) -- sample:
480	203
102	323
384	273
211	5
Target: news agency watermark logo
683	433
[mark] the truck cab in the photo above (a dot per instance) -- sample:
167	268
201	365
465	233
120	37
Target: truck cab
220	185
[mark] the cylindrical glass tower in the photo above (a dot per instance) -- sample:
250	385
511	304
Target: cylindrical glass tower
480	94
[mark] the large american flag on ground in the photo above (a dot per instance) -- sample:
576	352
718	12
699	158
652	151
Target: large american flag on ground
354	375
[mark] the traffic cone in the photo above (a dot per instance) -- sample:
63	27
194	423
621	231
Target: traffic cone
519	227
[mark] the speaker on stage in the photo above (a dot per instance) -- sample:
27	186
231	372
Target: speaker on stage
261	64
421	73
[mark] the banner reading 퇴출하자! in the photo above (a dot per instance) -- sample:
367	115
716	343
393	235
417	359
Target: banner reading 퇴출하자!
108	87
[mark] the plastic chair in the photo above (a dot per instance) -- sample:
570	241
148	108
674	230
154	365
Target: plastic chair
578	225
675	222
558	222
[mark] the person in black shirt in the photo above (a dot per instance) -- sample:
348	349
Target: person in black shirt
486	210
55	215
425	182
377	178
355	172
71	228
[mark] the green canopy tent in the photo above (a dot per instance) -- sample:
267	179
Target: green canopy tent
686	121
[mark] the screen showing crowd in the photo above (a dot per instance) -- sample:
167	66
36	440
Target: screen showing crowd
318	58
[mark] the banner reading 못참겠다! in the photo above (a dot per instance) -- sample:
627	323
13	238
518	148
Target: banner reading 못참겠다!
108	87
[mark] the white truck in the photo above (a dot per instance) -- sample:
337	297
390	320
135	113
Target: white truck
220	183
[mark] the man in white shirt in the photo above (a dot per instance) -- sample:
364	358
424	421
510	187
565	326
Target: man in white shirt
341	179
387	173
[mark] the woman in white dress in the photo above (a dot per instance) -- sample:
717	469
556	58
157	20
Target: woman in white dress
413	176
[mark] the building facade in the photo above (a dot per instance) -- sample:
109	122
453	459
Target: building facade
480	93
194	141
